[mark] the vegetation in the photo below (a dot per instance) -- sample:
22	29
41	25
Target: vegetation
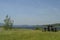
38	28
28	35
8	23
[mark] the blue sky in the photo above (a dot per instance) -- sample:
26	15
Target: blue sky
31	12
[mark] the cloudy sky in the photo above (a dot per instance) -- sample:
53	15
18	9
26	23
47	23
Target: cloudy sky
31	12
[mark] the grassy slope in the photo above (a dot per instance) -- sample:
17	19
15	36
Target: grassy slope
29	35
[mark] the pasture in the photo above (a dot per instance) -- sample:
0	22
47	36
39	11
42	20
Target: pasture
26	34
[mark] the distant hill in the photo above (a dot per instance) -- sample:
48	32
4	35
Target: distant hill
56	24
33	26
24	26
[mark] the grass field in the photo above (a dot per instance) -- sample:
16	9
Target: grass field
28	35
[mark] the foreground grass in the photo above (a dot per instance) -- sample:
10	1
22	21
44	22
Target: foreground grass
29	35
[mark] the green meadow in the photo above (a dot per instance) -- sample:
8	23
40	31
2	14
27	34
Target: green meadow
22	34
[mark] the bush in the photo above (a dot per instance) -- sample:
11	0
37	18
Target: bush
37	28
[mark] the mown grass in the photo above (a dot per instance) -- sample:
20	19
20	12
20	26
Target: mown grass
28	35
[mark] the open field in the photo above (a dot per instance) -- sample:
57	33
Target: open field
28	35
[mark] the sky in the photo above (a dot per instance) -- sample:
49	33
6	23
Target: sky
30	12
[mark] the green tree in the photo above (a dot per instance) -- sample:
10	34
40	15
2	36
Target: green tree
8	23
37	27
